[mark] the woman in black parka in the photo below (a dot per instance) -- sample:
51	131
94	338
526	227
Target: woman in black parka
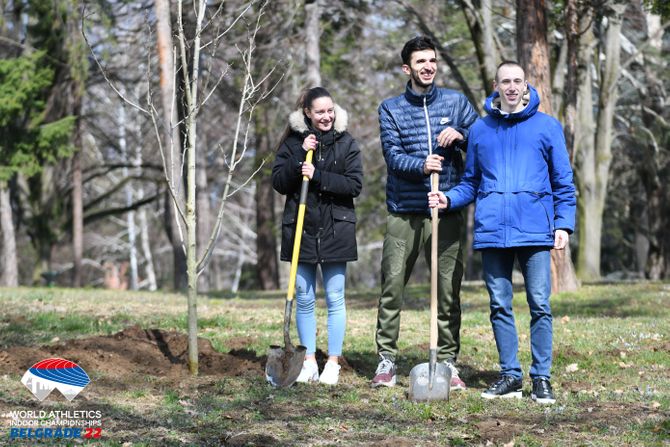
329	233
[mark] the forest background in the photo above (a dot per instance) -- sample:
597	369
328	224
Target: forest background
135	133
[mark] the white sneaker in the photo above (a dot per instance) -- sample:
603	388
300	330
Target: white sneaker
330	374
457	383
309	372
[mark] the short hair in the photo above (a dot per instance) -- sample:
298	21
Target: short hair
510	62
419	43
313	94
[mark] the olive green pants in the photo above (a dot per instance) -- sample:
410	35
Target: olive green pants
406	235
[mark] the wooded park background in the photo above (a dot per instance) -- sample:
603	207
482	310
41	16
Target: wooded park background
135	133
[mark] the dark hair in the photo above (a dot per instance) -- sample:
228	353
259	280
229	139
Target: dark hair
305	100
419	43
509	62
313	94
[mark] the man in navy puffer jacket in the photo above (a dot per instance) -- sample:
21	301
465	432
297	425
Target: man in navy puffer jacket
422	131
518	171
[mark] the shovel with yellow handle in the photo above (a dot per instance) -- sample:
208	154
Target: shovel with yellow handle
284	364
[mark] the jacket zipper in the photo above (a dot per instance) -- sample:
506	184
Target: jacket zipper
506	138
430	139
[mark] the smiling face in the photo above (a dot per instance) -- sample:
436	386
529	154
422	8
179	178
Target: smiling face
511	84
321	113
422	69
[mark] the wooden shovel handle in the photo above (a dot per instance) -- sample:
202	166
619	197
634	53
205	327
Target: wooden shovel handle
434	185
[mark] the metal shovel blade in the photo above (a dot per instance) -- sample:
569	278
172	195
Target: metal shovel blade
284	365
420	387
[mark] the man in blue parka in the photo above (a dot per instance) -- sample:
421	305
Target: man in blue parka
518	171
422	131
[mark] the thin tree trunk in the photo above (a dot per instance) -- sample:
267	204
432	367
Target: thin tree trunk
241	258
470	273
312	39
192	103
77	213
267	264
558	82
130	216
146	248
204	215
172	146
533	54
9	276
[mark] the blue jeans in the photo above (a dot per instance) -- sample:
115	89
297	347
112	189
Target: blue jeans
333	279
535	265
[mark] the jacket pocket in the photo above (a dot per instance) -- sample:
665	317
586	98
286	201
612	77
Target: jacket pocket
344	213
488	212
534	211
290	214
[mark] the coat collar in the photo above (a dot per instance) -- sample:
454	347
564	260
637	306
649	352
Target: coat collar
530	99
296	121
416	98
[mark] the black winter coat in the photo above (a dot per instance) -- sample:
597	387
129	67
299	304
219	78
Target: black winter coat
329	229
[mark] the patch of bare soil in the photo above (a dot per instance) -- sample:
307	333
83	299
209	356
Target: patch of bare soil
136	351
595	415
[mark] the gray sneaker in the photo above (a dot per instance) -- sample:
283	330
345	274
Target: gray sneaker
385	373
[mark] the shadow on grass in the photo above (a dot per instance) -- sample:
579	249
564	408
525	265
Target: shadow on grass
629	306
365	363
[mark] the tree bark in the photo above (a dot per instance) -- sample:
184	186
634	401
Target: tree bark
172	143
533	49
77	213
9	276
533	54
204	215
190	83
584	148
478	16
444	54
267	264
128	191
571	79
595	158
470	273
652	242
312	39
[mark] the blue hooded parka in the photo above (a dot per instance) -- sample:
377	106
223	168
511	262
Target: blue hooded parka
518	170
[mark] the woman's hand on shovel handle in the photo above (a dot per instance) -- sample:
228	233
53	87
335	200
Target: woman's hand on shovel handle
307	169
438	200
309	143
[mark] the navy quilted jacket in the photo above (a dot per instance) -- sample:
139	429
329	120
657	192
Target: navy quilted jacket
518	171
409	126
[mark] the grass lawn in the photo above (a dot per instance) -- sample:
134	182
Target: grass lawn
611	372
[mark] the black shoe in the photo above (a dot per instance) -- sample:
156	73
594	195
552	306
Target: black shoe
505	387
542	393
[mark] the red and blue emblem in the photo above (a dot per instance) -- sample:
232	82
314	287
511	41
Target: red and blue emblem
66	376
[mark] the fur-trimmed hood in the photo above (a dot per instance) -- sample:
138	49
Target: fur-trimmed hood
296	120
